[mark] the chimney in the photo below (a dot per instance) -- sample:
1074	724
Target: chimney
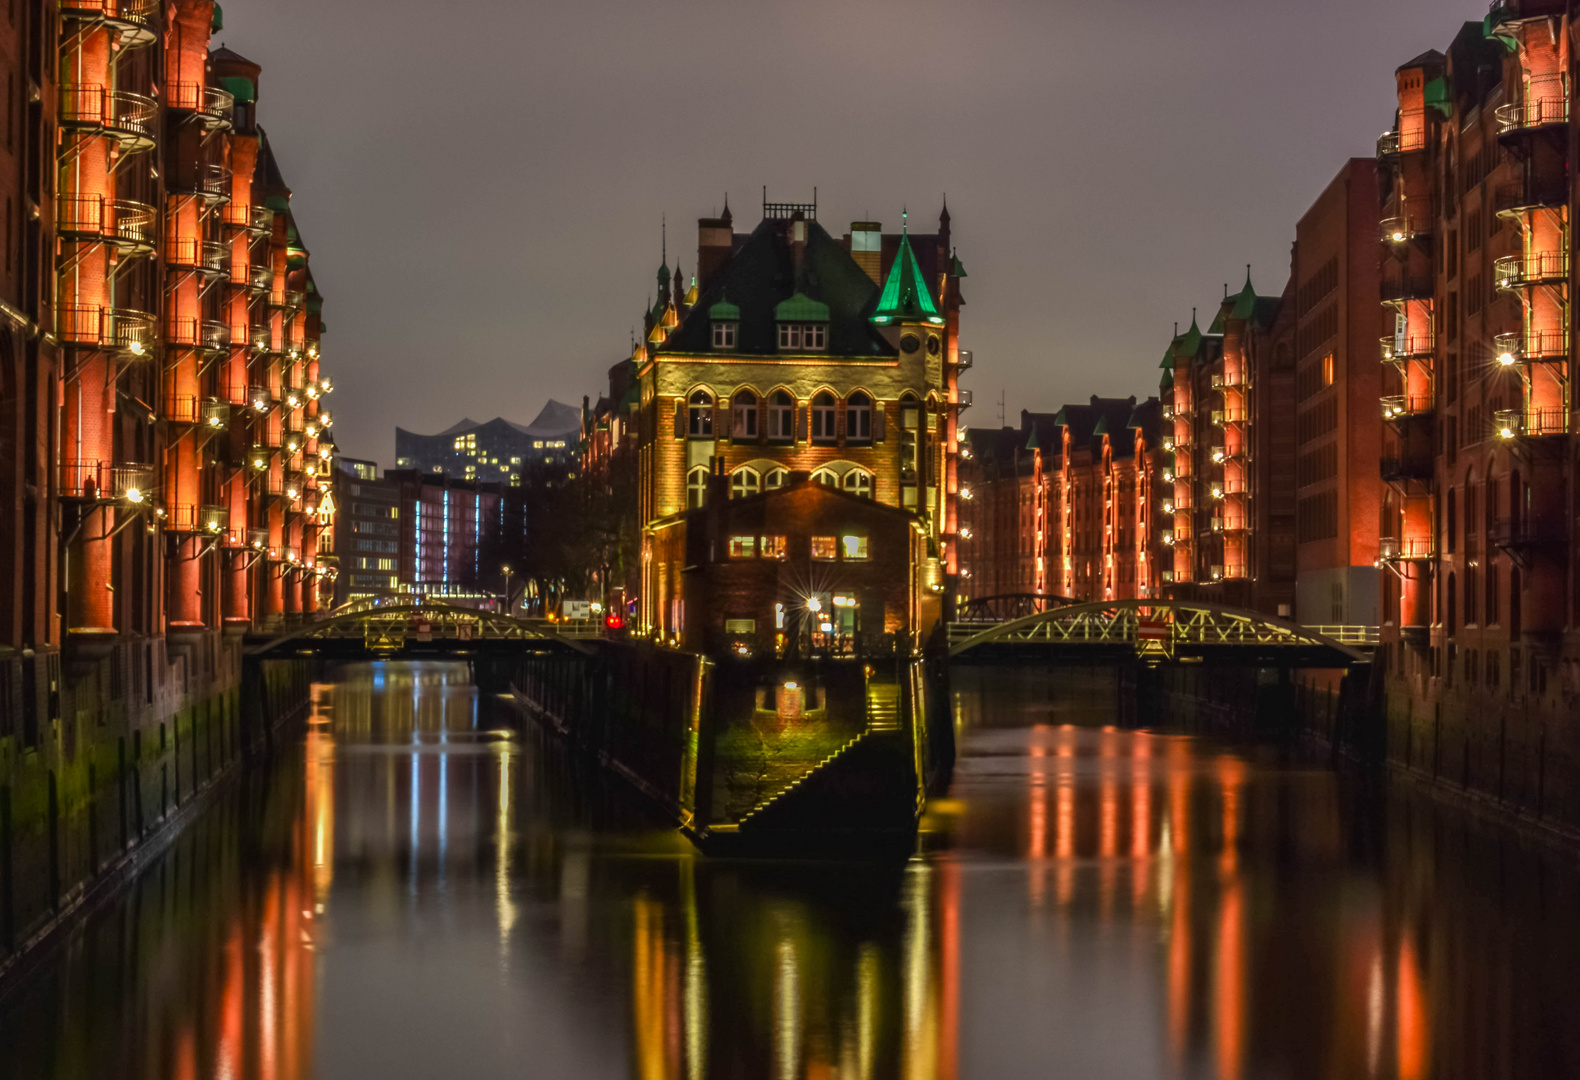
715	244
797	249
866	247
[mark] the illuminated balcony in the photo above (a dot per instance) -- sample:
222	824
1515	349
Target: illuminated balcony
126	224
130	119
1401	407
1532	346
1217	417
208	180
963	403
1529	423
216	414
260	400
135	21
214	520
1397	350
259	457
1405	549
100	481
964	360
119	329
1413	139
1217	382
1215	572
213	106
182	409
259	338
191	333
288	299
258	220
1235	414
258	539
260	278
1546	103
1403	228
1535	268
206	257
1235	572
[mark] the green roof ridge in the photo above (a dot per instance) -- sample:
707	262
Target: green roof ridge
800	308
723	309
905	295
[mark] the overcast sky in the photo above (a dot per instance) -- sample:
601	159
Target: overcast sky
480	182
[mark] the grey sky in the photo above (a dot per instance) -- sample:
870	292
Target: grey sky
480	182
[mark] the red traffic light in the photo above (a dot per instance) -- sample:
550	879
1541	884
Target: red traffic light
614	620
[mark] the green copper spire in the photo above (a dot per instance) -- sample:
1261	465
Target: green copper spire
905	296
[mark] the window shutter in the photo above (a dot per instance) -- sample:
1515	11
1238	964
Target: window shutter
680	418
801	422
878	414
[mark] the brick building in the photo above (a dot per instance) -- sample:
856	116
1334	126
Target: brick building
369	535
794	350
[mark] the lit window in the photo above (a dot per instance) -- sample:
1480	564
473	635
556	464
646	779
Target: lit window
724	335
537	444
859	482
775	479
743	424
826	477
775	547
855	547
701	415
744	482
823	417
1327	370
696	487
824	547
858	417
781	416
743	547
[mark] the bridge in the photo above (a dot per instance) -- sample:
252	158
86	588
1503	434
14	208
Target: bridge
1007	606
419	631
1156	632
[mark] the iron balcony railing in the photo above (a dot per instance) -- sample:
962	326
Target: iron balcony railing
131	17
1403	406
206	256
260	277
255	219
1401	227
1513	198
182	518
182	408
214	520
1217	415
1234	414
1408	138
1529	345
260	338
127	224
964	402
122	329
1534	268
216	414
1399	286
193	333
1404	548
288	298
964	359
209	180
214	105
131	119
1525	533
103	481
258	539
1235	572
1407	467
1546	102
260	399
1410	347
1513	423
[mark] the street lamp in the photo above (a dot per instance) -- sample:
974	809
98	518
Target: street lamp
508	570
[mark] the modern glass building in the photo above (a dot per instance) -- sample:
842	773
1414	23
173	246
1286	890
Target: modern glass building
540	453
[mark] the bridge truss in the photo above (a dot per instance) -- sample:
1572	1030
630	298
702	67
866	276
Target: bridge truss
1155	631
416	629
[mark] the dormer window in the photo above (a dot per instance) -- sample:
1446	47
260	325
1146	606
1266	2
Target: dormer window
725	318
803	337
803	324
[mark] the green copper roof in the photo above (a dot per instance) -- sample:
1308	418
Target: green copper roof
1188	344
1031	440
799	308
219	23
1167	382
905	295
1102	426
239	87
956	267
725	311
1437	96
1168	356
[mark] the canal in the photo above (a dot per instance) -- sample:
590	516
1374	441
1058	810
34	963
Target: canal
421	888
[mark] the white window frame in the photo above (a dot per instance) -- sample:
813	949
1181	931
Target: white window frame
823	417
859	483
697	487
699	415
781	416
858	417
724	335
745	481
743	422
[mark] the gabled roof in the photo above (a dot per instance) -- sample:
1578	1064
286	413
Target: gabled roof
762	274
1100	416
906	297
1246	306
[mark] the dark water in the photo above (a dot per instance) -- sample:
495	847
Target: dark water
417	892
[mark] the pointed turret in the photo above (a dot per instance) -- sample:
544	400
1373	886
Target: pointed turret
905	296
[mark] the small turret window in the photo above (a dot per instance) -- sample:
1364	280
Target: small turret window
724	335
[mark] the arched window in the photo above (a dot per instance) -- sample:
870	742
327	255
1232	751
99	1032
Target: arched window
781	416
700	416
696	487
743	424
823	418
775	479
859	482
1451	623
826	477
1492	593
1452	532
1514	604
858	418
744	482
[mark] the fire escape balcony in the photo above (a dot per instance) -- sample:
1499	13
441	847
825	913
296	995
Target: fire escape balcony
1522	535
1405	549
133	20
1400	408
259	455
1546	104
130	119
126	224
214	107
259	339
216	414
192	333
117	329
1406	469
102	481
1530	347
1502	13
1508	424
182	409
207	180
260	400
257	220
1392	144
1235	572
260	278
1534	268
258	539
964	360
206	257
1400	285
288	299
1523	197
1396	350
1402	228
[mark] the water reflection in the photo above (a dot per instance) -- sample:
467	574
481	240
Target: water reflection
421	887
